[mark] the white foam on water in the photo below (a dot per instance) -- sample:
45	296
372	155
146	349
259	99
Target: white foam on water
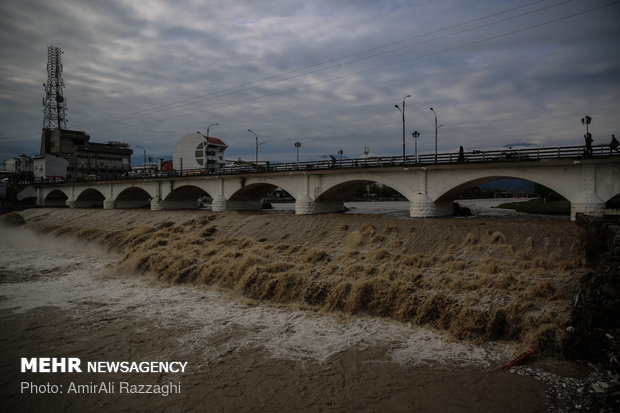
212	322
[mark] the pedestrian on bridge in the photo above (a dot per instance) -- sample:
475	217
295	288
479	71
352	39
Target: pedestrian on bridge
613	145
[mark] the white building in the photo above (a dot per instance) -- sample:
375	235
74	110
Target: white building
197	151
49	167
22	164
144	170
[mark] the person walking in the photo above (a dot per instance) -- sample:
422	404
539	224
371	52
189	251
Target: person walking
613	145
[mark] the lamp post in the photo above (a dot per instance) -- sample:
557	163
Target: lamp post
432	110
297	145
144	164
415	136
256	136
340	152
586	121
209	127
403	113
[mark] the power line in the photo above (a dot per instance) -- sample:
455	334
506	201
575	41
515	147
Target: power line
317	67
449	49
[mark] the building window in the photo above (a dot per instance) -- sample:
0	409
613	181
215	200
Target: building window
199	154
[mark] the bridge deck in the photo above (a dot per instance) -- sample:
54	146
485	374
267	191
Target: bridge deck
476	156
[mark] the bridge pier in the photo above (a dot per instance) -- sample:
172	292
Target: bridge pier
219	204
305	206
587	201
422	206
70	204
157	204
592	209
109	204
588	204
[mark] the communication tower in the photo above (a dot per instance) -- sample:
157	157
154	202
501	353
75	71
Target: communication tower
54	103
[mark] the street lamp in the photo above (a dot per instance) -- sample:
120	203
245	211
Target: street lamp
256	136
586	121
297	145
403	113
415	136
144	164
208	127
432	110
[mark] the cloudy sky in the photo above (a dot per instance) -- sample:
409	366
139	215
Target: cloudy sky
326	73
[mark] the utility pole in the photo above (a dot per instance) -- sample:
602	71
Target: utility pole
256	136
143	164
432	110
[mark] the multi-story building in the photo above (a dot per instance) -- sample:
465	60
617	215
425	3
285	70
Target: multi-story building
105	160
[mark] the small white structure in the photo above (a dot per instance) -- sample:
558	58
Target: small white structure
197	151
22	164
49	167
144	170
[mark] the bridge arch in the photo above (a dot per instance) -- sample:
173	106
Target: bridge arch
55	198
340	191
133	197
457	190
89	198
615	197
331	191
337	189
459	185
185	197
250	196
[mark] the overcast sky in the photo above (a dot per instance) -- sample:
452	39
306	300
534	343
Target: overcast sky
326	73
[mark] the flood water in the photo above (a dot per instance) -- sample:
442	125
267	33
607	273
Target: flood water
64	298
478	207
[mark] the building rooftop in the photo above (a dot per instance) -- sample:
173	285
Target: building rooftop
215	141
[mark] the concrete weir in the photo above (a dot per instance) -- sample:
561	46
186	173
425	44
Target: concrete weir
430	189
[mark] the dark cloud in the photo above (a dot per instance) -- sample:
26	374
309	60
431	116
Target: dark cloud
325	73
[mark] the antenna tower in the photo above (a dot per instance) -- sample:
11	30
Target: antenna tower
54	103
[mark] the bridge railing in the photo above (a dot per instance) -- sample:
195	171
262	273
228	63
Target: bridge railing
475	156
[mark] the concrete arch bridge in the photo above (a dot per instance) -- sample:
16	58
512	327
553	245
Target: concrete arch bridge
430	188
